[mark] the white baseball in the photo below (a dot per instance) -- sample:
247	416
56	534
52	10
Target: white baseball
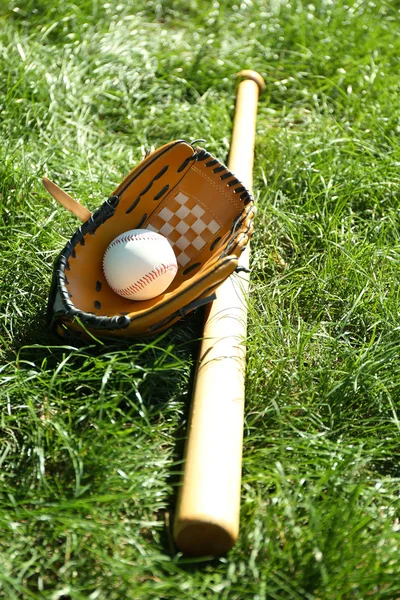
139	264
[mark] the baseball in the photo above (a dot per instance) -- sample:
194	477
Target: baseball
139	264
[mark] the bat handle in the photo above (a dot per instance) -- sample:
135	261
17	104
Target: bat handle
207	514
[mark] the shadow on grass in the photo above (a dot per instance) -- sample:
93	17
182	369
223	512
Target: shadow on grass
36	348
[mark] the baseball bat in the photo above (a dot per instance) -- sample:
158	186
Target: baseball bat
208	505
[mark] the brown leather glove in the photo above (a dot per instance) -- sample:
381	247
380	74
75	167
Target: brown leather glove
186	195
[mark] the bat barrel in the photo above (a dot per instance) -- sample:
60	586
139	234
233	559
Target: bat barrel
207	515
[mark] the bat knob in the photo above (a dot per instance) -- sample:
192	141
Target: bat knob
254	76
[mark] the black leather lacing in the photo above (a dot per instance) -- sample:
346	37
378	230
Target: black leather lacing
104	212
226	175
148	187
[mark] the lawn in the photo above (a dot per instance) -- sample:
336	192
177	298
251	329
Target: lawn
92	436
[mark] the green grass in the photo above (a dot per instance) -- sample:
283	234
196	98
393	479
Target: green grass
91	437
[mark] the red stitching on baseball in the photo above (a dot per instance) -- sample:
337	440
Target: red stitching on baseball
146	279
151	235
132	238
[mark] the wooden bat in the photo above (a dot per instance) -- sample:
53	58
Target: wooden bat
208	506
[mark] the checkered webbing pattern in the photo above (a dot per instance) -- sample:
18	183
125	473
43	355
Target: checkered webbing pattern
186	225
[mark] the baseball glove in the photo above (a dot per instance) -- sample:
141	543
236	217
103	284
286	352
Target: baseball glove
183	193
